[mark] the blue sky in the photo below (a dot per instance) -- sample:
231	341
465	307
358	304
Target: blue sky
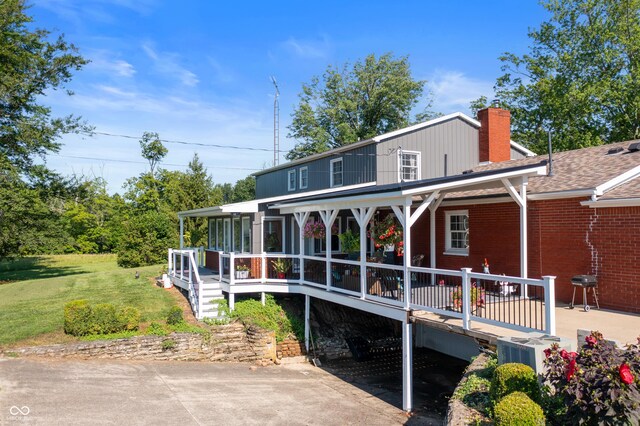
199	71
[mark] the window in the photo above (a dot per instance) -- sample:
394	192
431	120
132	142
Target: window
304	177
292	180
246	235
212	234
237	240
336	172
219	234
273	235
457	229
321	244
409	165
226	246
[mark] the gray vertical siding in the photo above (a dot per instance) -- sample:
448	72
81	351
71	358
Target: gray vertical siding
359	166
517	155
456	138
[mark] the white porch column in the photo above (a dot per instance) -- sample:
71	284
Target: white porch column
432	230
328	217
363	217
301	220
232	300
181	232
521	199
263	298
307	324
407	366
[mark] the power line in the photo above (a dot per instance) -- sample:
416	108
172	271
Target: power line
113	160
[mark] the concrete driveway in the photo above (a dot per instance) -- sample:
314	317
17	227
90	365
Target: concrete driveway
39	391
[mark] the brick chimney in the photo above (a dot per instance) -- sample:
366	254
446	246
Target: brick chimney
494	135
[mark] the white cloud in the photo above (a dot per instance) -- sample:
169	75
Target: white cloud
118	67
310	49
453	90
167	63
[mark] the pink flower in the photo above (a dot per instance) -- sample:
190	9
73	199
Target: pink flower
625	374
547	352
441	282
591	340
564	354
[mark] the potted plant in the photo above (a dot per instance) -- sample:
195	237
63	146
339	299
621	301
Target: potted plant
281	266
242	272
350	242
387	233
477	296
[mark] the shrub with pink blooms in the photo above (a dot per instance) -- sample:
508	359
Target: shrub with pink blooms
597	385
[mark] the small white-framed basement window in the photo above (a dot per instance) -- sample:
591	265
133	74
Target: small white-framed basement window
304	177
457	232
291	180
335	172
409	166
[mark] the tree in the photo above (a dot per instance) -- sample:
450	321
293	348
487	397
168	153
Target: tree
354	103
31	66
152	149
580	79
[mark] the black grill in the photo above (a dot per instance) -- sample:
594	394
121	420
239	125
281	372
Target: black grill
585	282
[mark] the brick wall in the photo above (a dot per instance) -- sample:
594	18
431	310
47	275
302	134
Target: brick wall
290	348
565	239
494	136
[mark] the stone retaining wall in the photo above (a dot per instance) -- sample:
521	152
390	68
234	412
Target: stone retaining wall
289	348
224	343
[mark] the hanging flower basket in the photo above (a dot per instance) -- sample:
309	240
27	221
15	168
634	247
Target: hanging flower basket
387	232
318	230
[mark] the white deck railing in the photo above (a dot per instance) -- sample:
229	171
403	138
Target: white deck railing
183	266
513	302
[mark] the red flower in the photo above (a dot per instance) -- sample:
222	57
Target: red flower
564	354
625	374
441	282
571	369
591	340
547	352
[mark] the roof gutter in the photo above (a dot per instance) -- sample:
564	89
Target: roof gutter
615	182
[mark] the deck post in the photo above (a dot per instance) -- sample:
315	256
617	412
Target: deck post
263	267
433	207
232	300
524	268
550	304
263	298
406	246
407	365
301	219
170	266
220	265
232	274
307	308
466	297
181	232
328	217
363	217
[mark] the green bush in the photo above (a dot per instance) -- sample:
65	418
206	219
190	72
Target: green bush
271	316
157	329
175	316
168	344
128	318
77	318
512	377
518	409
82	319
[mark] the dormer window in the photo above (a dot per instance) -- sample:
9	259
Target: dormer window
292	180
409	166
335	172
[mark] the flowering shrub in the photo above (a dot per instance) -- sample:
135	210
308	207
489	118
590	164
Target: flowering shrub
597	385
386	231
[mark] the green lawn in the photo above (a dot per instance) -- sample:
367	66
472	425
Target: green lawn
33	307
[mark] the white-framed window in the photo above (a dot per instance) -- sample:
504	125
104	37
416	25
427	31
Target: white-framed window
237	237
226	246
457	232
273	234
246	234
212	234
304	177
291	181
219	234
335	172
409	166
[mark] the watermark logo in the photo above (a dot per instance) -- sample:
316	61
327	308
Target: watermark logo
15	410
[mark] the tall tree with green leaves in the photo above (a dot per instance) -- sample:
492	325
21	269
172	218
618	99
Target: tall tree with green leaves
31	64
580	78
353	103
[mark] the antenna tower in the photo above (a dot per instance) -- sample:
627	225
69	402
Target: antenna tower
276	124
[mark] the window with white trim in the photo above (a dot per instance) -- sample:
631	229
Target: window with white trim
409	165
304	177
237	238
219	234
273	235
321	243
335	172
227	235
457	232
291	180
212	234
246	234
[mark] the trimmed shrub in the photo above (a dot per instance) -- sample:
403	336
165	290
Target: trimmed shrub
128	318
175	316
518	409
77	317
512	377
104	320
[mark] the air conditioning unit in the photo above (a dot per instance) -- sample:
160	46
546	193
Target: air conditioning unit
529	350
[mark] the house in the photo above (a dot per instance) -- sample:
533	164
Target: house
462	192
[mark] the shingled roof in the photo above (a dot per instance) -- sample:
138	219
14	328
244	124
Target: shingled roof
580	169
